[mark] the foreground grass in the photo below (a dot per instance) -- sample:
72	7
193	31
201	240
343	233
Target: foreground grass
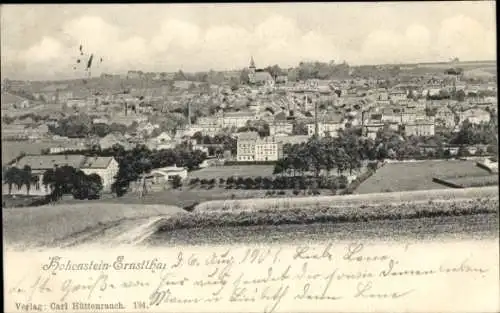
92	222
338	214
34	226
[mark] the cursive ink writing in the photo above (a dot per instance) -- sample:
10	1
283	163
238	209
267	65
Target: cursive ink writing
69	286
363	289
353	254
304	252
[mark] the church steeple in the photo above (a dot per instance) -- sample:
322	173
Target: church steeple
251	71
252	63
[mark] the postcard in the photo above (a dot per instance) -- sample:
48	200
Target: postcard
250	157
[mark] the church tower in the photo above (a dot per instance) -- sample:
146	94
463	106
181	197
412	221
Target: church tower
251	73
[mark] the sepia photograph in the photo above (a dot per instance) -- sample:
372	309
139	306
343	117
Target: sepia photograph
250	157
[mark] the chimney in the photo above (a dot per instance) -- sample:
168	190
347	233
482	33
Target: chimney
315	117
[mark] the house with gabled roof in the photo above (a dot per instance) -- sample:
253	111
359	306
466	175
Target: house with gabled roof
327	124
445	117
475	116
105	167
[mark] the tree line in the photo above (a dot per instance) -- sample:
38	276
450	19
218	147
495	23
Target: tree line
81	126
350	150
279	182
141	160
227	142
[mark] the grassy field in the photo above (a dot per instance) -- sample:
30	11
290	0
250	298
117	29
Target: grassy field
463	64
12	149
417	175
34	226
186	196
463	227
331	214
359	201
65	225
232	170
475	181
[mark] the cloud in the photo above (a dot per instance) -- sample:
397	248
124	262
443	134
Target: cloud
177	43
465	38
47	50
176	34
388	46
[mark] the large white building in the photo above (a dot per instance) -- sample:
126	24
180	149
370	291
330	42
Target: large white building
280	128
475	116
445	117
329	126
250	147
246	146
268	149
420	127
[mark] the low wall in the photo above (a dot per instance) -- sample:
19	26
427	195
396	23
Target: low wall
446	183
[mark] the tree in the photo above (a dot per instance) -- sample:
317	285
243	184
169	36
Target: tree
244	78
274	70
81	186
234	83
12	176
95	185
101	129
460	95
176	181
180	76
28	178
465	136
299	128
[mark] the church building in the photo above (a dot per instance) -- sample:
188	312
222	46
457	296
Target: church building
259	76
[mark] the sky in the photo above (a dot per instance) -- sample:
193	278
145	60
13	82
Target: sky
42	41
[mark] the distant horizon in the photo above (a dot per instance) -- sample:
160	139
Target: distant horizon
41	42
231	70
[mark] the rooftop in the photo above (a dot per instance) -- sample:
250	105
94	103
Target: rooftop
97	162
44	162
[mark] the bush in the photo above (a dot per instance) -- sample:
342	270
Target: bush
229	163
249	182
316	192
221	181
296	192
176	181
281	192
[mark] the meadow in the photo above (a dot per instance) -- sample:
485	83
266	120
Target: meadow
190	196
475	181
464	227
66	225
410	176
35	226
232	170
12	149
